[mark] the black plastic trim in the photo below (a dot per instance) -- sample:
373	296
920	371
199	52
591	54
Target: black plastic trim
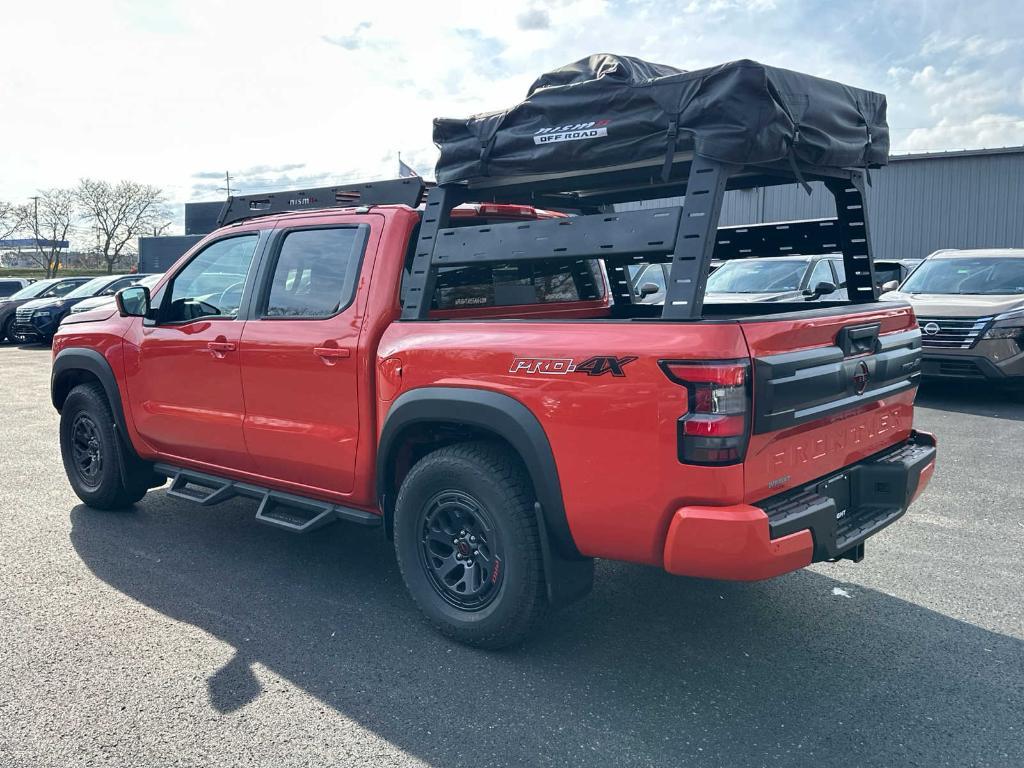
795	387
82	359
491	411
878	491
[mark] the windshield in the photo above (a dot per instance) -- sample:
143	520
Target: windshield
983	276
91	288
760	276
33	290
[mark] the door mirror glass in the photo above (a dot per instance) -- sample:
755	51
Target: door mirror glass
133	301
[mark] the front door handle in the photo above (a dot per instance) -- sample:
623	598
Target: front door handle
219	348
331	355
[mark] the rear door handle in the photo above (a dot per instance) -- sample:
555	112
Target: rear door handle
331	355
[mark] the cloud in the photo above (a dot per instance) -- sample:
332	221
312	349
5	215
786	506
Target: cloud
534	18
351	41
332	93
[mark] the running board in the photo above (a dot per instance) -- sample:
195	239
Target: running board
287	511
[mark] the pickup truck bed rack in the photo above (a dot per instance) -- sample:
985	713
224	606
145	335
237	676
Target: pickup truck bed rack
405	191
684	236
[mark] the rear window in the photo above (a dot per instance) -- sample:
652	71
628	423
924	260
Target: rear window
517	284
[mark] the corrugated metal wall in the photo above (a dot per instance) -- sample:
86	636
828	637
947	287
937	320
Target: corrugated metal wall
915	205
157	254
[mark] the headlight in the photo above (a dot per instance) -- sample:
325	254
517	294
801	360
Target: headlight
1008	325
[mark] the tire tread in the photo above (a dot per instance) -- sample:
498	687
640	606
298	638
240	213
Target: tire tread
504	470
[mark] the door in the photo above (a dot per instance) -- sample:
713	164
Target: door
182	367
300	370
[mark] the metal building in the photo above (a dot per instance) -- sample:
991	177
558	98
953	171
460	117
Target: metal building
157	254
201	218
917	204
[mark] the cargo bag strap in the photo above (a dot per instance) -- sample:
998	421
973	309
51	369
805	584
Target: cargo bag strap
791	158
670	149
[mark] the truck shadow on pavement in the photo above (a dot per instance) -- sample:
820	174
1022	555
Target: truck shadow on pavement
976	398
649	670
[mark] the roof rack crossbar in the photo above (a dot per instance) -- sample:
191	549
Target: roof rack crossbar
405	191
601	235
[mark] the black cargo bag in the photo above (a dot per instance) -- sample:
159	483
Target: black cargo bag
611	111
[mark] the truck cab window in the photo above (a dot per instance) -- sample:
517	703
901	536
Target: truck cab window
515	284
211	284
315	274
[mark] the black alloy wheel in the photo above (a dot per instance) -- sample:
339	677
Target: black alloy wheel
86	449
460	550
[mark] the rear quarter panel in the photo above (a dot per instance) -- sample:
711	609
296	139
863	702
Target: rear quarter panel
613	437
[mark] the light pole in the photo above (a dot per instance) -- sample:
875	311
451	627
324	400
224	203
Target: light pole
35	231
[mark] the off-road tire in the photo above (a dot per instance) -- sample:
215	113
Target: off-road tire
86	419
494	478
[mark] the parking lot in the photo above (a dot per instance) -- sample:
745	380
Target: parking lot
177	635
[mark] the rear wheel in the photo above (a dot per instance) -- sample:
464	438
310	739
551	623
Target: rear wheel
91	452
468	546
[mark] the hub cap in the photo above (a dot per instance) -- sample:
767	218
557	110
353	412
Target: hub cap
460	550
85	448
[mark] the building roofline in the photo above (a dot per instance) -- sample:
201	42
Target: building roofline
957	153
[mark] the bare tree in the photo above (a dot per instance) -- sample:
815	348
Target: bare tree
50	219
119	214
12	219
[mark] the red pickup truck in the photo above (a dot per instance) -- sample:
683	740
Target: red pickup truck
518	431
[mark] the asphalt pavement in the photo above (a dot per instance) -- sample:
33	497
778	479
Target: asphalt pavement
174	635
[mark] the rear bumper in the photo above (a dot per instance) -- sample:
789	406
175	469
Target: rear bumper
820	521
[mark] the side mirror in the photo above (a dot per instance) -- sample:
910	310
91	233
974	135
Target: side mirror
133	301
821	289
889	285
647	289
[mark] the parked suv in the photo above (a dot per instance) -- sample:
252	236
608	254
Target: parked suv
970	306
11	285
43	289
105	300
39	319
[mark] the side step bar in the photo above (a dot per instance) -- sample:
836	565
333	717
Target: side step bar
297	514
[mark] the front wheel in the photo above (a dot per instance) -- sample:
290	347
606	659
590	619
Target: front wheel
91	452
468	545
5	331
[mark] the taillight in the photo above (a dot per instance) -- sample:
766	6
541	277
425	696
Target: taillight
507	209
715	427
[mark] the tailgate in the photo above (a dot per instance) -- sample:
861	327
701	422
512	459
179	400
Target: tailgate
830	388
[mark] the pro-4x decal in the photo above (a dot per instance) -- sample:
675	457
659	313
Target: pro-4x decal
597	365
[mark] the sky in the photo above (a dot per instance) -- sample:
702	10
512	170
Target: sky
295	94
